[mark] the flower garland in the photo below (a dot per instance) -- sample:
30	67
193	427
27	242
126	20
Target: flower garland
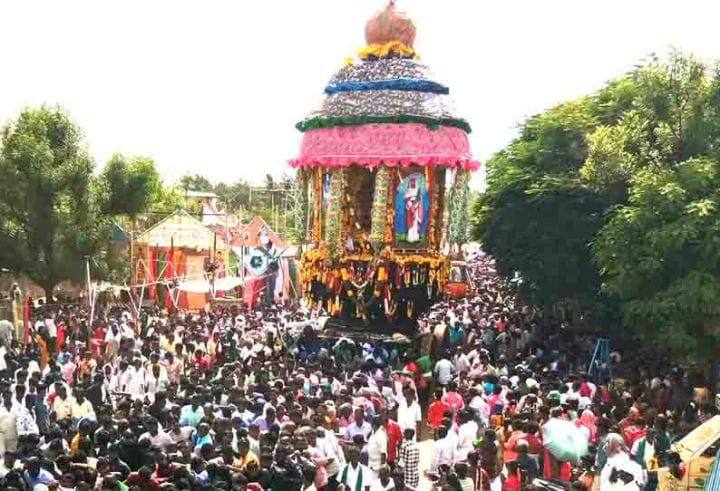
313	265
356	257
392	48
420	260
314	123
310	264
379	206
333	224
316	210
459	195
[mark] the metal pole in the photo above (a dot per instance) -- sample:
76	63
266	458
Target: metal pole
91	293
212	277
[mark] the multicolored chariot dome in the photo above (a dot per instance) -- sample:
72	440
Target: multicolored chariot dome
384	169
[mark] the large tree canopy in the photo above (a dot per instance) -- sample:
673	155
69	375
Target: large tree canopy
55	213
660	253
611	195
537	218
49	204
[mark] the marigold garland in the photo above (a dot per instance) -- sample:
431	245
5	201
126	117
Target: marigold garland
392	48
333	226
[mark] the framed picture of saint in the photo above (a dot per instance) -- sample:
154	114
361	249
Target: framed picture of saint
412	209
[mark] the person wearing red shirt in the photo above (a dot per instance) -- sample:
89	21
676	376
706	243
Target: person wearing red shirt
500	324
201	362
394	435
510	451
512	482
453	399
436	411
144	479
529	435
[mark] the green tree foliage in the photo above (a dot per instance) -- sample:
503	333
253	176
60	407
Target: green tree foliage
133	185
537	218
50	207
660	253
235	197
195	182
575	203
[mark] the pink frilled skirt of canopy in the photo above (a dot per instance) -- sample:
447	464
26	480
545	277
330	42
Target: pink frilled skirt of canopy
371	145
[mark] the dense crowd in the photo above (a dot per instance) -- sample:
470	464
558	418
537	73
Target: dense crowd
236	399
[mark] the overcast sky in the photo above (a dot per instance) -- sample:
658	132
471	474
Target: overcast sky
215	87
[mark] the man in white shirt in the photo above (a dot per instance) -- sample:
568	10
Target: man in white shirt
330	446
157	437
409	413
8	423
62	405
444	453
467	434
50	325
462	362
156	381
377	447
137	383
358	427
444	370
354	475
79	405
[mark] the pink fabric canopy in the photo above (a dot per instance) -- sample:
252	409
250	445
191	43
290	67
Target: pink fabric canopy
370	145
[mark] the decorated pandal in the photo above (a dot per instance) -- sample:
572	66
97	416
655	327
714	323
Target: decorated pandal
384	165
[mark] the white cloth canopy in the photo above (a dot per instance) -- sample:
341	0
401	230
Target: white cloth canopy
203	286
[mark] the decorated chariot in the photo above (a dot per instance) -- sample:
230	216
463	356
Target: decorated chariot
384	171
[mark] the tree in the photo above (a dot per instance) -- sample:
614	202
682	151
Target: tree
195	182
50	206
133	185
555	189
234	197
660	254
537	218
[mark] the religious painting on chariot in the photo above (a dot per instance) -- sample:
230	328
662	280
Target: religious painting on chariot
412	209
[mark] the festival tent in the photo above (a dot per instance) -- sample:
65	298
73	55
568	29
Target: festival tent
179	248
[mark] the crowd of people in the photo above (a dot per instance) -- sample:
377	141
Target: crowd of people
234	399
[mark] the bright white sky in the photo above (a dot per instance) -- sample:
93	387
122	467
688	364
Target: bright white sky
215	87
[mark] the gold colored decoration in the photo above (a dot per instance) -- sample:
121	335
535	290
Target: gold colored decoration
390	209
380	206
318	200
333	219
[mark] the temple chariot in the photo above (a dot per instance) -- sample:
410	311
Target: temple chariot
383	173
